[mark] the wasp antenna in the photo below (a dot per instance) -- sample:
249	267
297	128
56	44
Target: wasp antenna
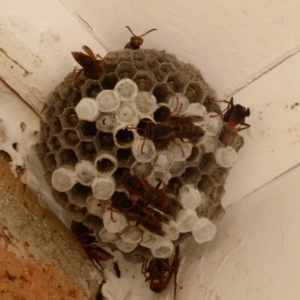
130	30
148	32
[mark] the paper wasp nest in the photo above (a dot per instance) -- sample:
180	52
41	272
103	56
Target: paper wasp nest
91	134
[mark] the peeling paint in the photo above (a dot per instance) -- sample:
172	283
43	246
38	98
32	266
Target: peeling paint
14	61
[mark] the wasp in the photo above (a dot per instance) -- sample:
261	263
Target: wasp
91	64
176	127
235	115
139	212
87	241
140	188
160	272
136	41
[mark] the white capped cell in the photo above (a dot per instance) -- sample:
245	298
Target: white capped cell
145	103
132	235
163	161
210	144
226	156
149	239
126	113
125	247
108	101
85	172
106	122
204	231
171	230
96	206
87	109
189	197
162	249
63	179
126	89
103	188
113	221
105	164
178	104
213	123
180	151
143	150
196	109
140	169
186	220
108	237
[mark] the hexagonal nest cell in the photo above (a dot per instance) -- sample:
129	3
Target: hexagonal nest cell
141	155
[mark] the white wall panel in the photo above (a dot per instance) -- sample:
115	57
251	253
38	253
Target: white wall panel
37	38
230	41
275	123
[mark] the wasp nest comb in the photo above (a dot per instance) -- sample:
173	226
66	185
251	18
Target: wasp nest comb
141	155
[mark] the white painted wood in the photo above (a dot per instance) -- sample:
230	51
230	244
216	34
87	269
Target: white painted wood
19	127
232	41
37	38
